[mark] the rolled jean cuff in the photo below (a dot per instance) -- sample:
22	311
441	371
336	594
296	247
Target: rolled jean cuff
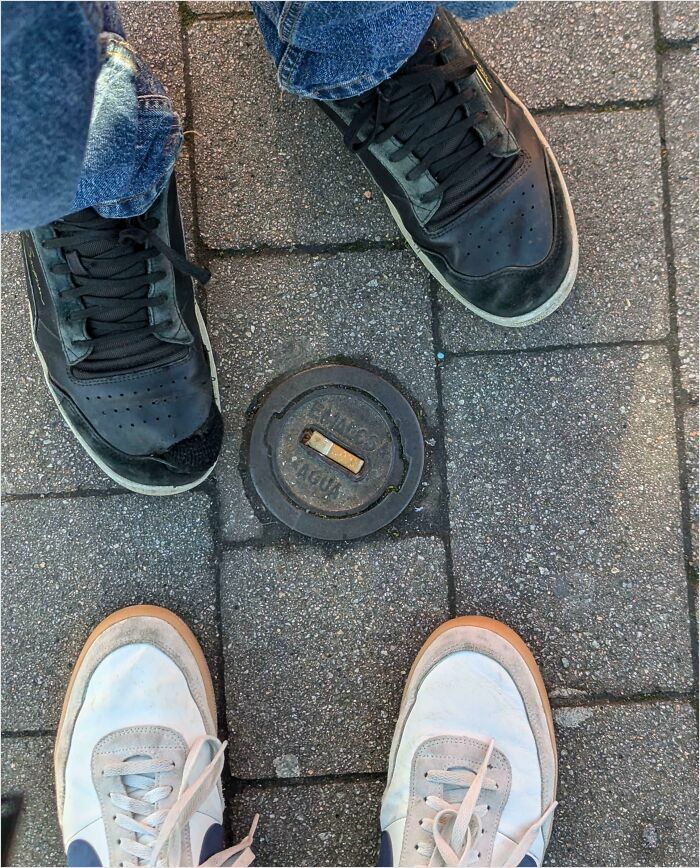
330	51
134	138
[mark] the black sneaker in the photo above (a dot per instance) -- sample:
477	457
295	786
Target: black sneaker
469	179
123	345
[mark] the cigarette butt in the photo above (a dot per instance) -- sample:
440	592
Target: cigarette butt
316	441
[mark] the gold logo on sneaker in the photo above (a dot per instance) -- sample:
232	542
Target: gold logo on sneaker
483	78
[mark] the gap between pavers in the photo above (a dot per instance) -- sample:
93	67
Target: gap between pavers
680	95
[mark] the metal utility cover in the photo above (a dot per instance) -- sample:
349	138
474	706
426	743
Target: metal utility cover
336	452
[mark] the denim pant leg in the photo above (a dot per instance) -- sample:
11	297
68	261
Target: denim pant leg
84	121
335	50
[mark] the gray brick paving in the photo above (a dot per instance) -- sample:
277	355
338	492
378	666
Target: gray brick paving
621	292
272	170
571	53
202	7
564	510
690	425
320	824
154	30
627	776
272	315
680	76
69	563
39	452
27	768
317	645
679	20
563	472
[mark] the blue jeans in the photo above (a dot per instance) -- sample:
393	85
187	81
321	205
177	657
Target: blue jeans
86	124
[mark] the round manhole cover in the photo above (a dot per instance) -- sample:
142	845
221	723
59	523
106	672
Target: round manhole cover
336	452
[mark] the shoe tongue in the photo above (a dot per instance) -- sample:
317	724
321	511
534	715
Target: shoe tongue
97	258
426	98
469	143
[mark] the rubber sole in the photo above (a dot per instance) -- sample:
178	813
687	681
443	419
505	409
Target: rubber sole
513	639
557	298
144	611
131	485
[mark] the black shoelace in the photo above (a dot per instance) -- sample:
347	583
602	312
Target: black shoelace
107	261
431	108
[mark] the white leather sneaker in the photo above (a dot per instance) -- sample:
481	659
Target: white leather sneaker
473	765
137	760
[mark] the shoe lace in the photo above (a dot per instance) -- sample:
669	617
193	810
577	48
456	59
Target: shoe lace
461	846
433	110
108	263
158	831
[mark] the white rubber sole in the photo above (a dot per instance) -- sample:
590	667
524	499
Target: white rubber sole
563	290
137	487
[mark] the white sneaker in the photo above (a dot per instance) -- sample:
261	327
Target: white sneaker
137	760
473	765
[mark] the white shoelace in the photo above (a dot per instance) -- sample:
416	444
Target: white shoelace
462	846
159	832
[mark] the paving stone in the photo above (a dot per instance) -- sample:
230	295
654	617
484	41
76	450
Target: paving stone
679	20
201	7
627	786
318	824
564	508
272	315
27	768
690	424
680	75
272	170
553	54
621	292
154	30
317	645
39	452
69	563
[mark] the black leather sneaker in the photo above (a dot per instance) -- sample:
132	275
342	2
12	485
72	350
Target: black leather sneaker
468	177
123	346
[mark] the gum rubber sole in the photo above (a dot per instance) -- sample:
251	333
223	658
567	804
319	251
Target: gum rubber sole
144	611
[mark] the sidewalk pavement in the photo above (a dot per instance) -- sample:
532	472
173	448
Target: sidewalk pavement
560	493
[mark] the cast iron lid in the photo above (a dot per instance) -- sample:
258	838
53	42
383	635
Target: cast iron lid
336	452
